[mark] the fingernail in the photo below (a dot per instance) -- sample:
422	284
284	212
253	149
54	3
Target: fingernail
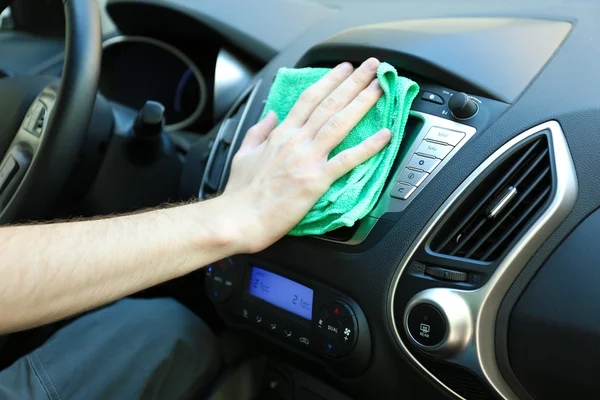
385	134
375	85
345	67
372	63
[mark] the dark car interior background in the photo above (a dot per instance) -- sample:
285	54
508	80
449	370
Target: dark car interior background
475	276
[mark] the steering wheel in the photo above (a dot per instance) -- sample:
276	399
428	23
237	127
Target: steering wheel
43	122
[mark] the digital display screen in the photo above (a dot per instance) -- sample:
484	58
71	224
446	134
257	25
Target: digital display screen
281	292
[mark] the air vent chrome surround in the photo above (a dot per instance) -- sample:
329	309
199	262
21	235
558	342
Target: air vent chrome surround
479	354
248	97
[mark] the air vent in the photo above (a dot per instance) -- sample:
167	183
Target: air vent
460	380
485	223
216	172
220	153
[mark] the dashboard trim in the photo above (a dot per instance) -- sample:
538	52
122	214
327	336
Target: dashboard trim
236	136
185	59
232	77
479	355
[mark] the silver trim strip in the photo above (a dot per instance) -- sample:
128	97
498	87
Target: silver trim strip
479	355
232	77
251	93
185	59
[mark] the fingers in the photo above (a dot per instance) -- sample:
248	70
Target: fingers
316	93
340	124
259	132
347	160
344	94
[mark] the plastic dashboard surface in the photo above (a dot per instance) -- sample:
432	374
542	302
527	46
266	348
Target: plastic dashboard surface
564	89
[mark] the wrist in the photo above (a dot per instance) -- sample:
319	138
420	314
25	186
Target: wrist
228	224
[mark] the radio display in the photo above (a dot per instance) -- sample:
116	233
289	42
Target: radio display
281	292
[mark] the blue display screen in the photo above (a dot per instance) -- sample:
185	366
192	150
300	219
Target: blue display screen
281	292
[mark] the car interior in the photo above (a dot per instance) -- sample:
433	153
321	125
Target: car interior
473	277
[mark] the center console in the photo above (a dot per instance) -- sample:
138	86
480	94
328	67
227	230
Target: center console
298	313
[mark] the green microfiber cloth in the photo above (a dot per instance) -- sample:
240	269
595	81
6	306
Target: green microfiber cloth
354	195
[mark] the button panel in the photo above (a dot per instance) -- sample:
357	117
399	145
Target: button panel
334	331
337	328
336	334
427	154
219	280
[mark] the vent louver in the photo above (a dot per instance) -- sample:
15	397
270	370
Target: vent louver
485	223
222	148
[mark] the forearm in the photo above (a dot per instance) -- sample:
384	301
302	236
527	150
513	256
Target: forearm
53	271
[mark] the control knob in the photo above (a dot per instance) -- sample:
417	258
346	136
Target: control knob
462	106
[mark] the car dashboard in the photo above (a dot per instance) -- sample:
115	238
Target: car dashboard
473	276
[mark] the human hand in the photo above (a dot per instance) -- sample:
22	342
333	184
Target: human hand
280	172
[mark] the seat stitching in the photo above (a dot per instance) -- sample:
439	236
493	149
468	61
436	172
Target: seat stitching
43	377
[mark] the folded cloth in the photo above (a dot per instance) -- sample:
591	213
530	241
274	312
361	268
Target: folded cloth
355	194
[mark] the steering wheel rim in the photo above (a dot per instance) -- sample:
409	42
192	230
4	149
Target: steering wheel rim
46	160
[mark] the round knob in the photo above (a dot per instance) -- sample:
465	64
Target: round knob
438	321
462	106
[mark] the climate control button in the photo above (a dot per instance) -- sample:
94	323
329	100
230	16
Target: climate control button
439	322
337	327
220	280
426	325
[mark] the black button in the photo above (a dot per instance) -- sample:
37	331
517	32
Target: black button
227	284
218	278
259	319
273	326
303	339
432	98
289	333
446	274
333	328
245	313
475	278
229	278
216	294
417	267
426	324
349	333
